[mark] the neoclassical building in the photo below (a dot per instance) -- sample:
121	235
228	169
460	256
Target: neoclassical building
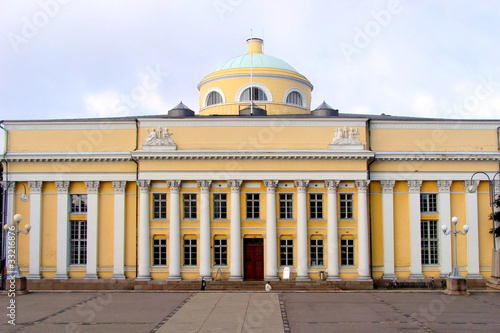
254	184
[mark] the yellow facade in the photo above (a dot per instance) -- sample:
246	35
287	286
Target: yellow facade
359	197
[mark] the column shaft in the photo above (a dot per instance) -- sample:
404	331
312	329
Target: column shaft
271	243
388	227
415	236
332	231
363	239
205	248
445	218
144	265
174	264
36	229
119	230
92	228
302	246
62	229
473	269
235	242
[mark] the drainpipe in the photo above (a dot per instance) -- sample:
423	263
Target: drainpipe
136	195
368	126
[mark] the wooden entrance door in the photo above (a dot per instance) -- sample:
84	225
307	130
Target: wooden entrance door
254	259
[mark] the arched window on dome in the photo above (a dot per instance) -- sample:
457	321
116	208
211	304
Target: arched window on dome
257	95
214	98
294	98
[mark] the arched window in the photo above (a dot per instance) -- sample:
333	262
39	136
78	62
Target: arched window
257	95
214	98
294	98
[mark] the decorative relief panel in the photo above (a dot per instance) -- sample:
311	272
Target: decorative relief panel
346	139
159	139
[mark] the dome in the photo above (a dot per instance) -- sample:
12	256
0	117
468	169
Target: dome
257	58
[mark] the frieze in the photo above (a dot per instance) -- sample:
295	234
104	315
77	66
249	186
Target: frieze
159	139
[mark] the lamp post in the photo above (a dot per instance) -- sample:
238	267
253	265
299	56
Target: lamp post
14	271
493	195
456	273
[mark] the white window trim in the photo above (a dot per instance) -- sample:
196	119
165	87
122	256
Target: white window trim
289	91
208	93
255	85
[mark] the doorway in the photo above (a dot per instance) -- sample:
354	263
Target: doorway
254	258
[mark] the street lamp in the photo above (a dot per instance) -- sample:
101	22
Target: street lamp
13	228
456	273
491	182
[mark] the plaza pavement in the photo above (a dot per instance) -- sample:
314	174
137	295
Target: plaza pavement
137	312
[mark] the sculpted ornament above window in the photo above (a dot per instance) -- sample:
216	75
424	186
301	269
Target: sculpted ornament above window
159	139
346	137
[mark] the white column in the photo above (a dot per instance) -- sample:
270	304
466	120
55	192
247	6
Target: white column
363	239
36	229
302	245
496	209
415	237
235	242
444	208
62	229
144	265
119	230
205	248
332	231
174	262
388	227
92	228
11	196
271	243
473	271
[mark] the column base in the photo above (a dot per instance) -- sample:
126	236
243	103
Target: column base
474	276
61	276
91	276
34	276
174	278
389	276
417	276
302	278
143	278
272	278
364	278
118	277
235	278
333	278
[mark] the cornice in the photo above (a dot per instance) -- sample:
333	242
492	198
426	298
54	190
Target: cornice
252	155
69	157
70	124
444	124
437	156
236	121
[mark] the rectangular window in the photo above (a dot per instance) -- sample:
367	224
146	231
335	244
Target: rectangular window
315	206
220	252
429	242
428	202
346	206
159	252
286	252
159	206
347	252
253	209
189	201
78	203
190	252
220	206
78	242
286	206
317	252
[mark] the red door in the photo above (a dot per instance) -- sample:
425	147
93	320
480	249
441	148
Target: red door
254	259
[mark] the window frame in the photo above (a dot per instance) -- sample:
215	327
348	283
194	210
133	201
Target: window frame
285	206
189	206
429	246
159	252
347	252
316	211
214	101
220	252
317	251
190	246
256	92
286	252
254	213
160	203
79	208
294	98
220	206
78	245
346	201
428	203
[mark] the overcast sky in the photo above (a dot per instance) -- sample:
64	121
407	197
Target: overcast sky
100	58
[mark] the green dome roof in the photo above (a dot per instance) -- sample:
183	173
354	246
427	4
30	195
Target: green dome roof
259	60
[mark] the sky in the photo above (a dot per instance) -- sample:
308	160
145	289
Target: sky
64	59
